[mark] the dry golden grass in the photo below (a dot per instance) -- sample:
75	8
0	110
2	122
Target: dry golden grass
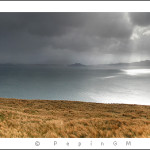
59	119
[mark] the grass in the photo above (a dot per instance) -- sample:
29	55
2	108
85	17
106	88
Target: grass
72	119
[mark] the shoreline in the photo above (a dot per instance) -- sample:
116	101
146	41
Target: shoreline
20	118
72	101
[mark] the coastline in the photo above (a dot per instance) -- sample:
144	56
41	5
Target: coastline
72	119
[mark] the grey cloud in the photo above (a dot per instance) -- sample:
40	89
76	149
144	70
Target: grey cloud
140	18
100	24
50	24
109	25
47	24
68	38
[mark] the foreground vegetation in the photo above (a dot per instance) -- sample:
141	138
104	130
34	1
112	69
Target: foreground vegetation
70	119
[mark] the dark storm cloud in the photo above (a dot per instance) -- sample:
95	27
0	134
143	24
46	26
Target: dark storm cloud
100	24
109	25
68	37
49	24
140	18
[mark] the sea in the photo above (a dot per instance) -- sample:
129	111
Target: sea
100	84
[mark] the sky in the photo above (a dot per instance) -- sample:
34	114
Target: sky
66	38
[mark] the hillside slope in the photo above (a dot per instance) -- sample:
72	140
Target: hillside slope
71	119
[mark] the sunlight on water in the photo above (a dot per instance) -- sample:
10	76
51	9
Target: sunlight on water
137	71
109	77
90	85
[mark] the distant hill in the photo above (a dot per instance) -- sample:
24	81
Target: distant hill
140	63
143	63
77	65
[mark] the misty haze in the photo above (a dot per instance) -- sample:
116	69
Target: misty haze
82	63
74	48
